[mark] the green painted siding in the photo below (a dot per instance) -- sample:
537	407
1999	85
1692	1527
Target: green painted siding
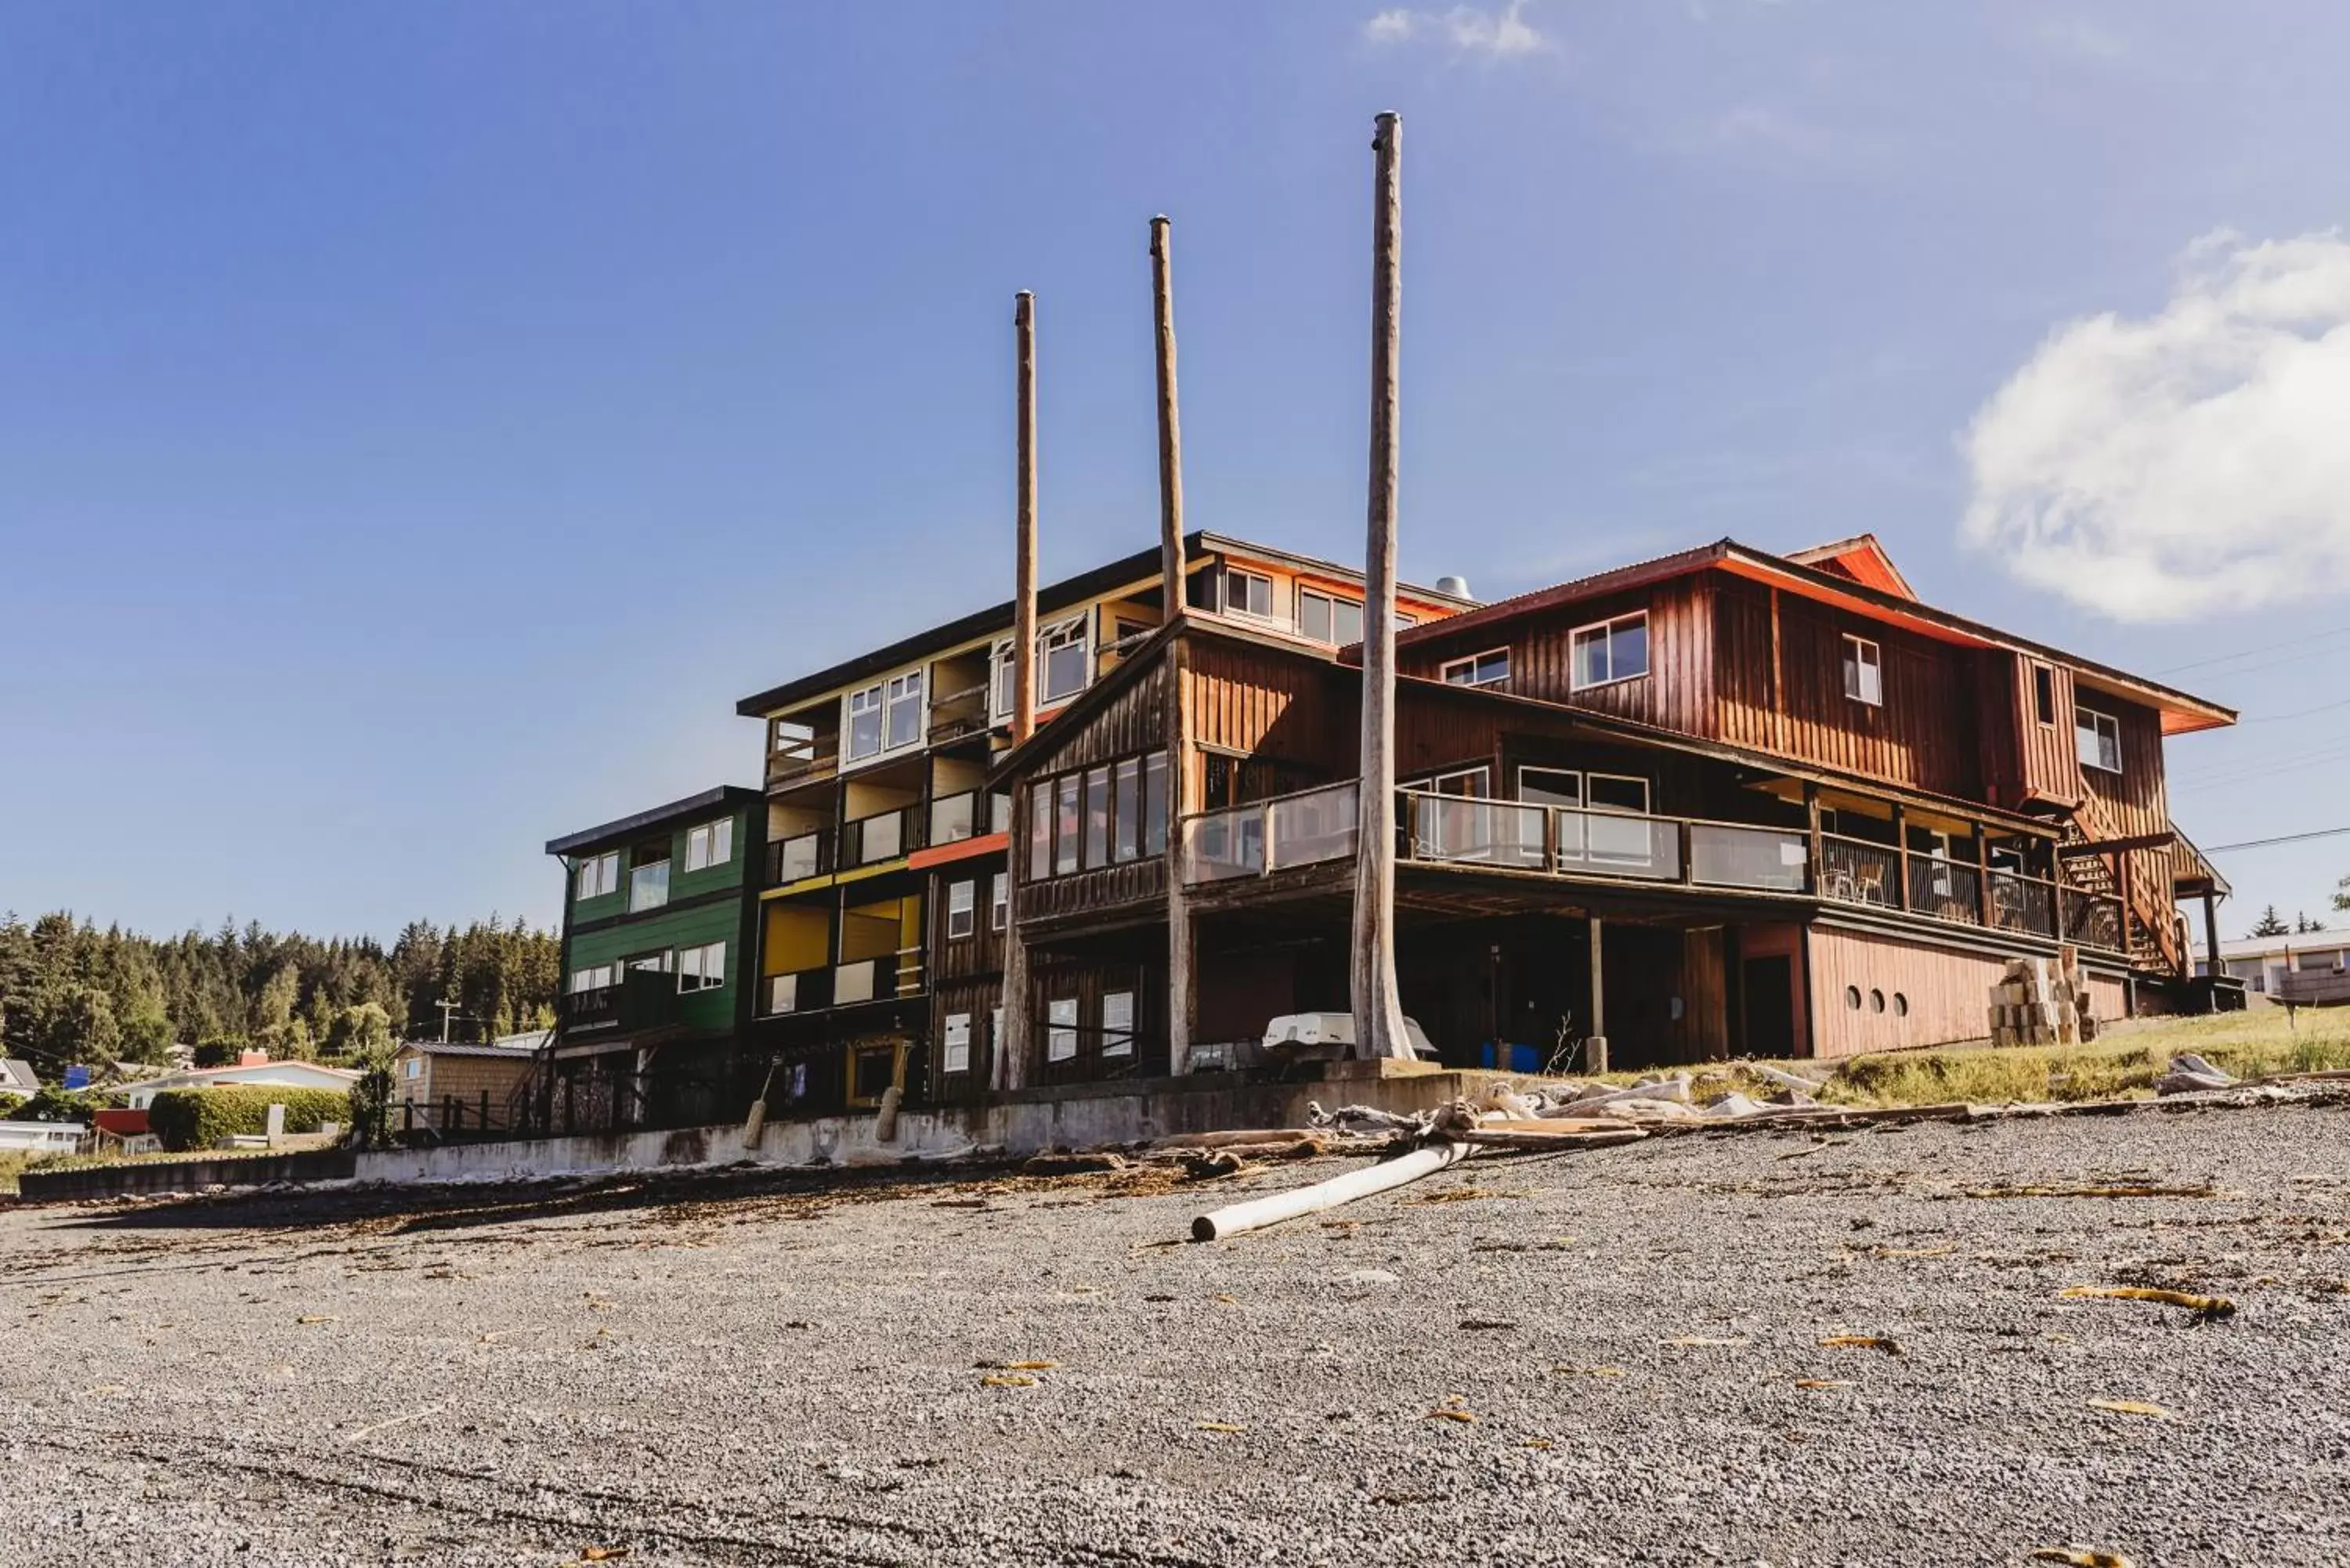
681	922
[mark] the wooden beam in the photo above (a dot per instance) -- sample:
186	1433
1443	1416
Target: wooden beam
1982	878
1377	1002
1901	856
2212	933
2116	845
1023	592
1778	681
1812	831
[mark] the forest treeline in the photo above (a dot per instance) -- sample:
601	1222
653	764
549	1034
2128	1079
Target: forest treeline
71	992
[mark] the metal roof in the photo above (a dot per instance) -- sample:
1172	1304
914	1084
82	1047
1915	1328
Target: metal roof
734	796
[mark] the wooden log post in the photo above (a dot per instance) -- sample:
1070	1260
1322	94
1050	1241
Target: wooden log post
1814	881
1378	1000
1011	1069
2211	940
1023	556
1182	977
1596	1045
1901	856
1985	910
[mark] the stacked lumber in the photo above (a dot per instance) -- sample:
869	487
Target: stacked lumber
2042	1001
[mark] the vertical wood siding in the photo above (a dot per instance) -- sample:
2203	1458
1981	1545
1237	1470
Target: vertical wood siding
1948	994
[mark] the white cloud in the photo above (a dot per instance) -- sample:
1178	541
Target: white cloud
1470	30
2192	461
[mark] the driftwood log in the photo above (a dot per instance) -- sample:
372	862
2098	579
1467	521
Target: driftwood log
1239	1219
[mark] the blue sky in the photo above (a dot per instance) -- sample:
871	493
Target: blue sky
421	422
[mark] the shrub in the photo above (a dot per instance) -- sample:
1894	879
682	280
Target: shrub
199	1119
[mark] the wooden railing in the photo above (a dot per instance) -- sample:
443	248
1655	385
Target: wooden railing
1318	824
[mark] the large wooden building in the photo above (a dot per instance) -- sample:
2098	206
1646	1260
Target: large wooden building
1720	803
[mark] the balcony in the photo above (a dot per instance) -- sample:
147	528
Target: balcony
1319	825
805	991
882	837
797	859
799	755
958	714
955	817
883	978
643	998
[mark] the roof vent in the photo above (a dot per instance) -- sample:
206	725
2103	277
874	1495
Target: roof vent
1456	586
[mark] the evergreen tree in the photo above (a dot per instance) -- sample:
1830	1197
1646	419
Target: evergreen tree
2270	924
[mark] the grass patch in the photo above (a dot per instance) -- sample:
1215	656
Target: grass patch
2122	1066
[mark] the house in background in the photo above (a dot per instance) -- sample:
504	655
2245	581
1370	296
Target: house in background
253	1070
41	1137
658	948
2303	967
18	1077
453	1087
125	1130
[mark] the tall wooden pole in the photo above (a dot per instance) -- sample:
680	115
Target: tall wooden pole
1182	985
1170	424
1023	592
1011	1070
1379	1004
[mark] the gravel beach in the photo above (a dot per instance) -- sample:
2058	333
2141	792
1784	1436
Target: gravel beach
1608	1357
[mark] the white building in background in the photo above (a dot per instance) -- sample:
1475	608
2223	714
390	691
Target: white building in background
255	1072
2262	962
41	1137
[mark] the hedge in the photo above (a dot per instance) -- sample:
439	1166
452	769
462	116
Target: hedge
200	1119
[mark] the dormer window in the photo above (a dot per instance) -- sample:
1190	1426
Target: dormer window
1864	671
1610	650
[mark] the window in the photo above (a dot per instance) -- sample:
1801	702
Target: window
1876	1002
1004	677
651	963
1061	1042
1248	593
1040	830
594	977
961	917
703	968
1104	815
1900	1005
1477	670
2098	739
955	1053
1097	817
1125	793
999	902
1472	783
904	697
1061	659
1550	786
2044	694
712	844
598	875
1117	1024
1851	997
1154	804
1325	617
864	723
1864	671
1609	651
413	1067
649	883
1619	796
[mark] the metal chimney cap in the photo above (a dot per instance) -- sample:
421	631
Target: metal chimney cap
1456	586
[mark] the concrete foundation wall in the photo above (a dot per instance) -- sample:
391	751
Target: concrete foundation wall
182	1176
1076	1116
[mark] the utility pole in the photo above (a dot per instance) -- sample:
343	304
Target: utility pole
1379	1004
1182	989
447	1008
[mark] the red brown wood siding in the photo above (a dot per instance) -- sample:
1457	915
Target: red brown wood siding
1923	736
1676	693
1930	996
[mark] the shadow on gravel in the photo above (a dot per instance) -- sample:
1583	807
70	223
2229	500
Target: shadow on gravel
416	1210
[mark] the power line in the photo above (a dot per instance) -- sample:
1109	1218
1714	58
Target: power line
2258	648
2264	843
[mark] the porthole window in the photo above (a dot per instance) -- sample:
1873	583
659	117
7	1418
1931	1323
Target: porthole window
1900	1005
1851	997
1876	1002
